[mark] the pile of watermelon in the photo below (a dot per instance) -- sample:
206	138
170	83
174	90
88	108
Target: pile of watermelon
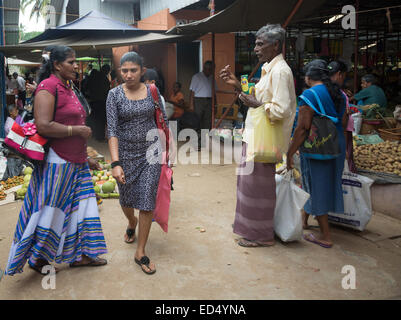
104	183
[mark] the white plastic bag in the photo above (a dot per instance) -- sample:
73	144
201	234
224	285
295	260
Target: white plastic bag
357	122
169	108
289	203
397	113
357	202
3	165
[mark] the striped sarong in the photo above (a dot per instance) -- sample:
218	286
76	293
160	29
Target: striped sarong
256	201
59	220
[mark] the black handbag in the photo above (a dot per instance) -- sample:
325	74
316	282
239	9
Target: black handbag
322	142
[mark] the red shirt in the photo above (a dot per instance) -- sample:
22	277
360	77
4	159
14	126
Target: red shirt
69	111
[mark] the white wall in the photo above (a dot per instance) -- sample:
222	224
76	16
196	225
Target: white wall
123	12
63	18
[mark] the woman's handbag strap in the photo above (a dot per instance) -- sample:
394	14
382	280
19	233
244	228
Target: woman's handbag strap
310	104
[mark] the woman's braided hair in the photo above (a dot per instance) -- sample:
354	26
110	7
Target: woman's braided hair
317	70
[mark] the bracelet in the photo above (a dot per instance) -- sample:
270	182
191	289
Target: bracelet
70	131
115	164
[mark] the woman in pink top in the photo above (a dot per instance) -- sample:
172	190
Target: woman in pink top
59	221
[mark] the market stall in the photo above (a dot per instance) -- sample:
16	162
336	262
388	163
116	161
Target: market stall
16	172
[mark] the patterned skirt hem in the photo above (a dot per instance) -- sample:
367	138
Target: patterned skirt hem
59	221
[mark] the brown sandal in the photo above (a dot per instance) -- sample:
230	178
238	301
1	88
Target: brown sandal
253	244
97	262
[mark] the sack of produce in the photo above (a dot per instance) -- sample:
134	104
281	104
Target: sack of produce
357	202
381	157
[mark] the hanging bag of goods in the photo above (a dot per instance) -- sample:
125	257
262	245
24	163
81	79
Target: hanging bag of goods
161	212
266	138
322	141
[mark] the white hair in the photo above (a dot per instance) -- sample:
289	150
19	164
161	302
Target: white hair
272	33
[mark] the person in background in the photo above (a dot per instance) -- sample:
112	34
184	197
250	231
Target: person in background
200	99
20	81
130	116
59	221
161	83
370	93
89	69
177	99
97	89
13	116
152	77
186	119
31	86
10	84
322	179
338	73
275	93
114	81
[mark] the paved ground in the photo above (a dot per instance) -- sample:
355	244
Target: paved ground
210	265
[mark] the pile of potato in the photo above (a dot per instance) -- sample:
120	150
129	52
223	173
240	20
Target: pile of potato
381	157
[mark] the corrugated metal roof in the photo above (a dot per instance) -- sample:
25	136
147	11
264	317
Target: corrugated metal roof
11	21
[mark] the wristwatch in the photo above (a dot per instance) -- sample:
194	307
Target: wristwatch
115	164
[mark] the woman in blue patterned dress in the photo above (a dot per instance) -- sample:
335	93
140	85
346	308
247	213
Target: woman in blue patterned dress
322	179
136	159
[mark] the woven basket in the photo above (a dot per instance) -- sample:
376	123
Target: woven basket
390	134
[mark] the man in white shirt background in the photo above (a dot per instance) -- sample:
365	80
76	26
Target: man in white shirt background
200	99
20	81
11	84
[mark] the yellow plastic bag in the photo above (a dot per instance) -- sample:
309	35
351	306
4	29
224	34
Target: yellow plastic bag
265	138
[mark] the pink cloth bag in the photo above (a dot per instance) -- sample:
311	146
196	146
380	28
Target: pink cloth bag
161	212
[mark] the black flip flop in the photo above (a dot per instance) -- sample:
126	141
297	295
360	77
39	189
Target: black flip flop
144	262
130	233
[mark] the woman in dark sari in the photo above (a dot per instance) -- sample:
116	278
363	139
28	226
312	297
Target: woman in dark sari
322	179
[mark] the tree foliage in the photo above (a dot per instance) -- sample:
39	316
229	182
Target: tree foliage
24	36
38	9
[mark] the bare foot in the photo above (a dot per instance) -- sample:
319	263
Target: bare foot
305	218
